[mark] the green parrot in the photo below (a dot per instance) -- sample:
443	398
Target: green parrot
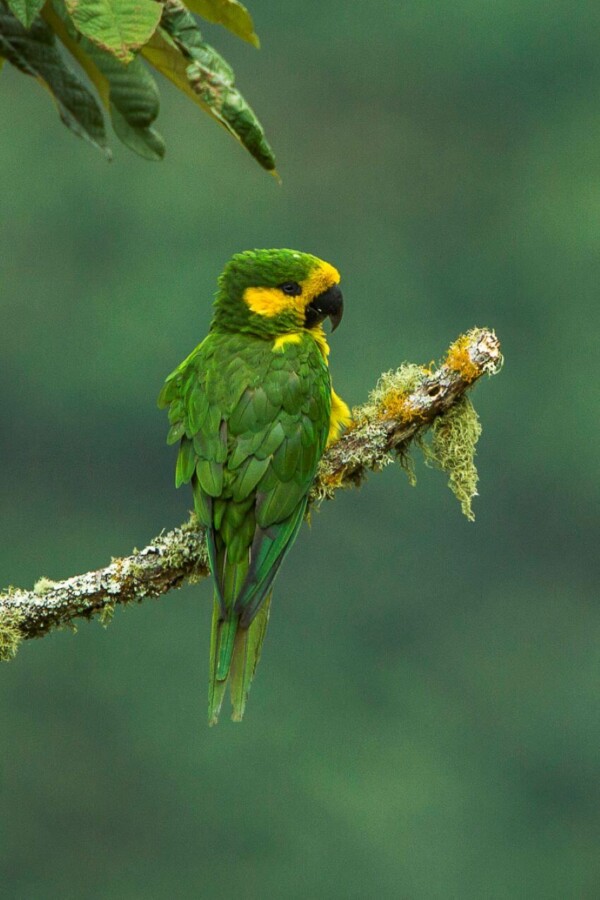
254	409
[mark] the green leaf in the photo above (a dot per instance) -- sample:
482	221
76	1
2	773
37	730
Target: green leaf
143	140
230	14
128	92
34	52
178	51
25	10
162	53
118	26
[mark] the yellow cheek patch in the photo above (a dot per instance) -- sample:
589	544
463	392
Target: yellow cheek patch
270	301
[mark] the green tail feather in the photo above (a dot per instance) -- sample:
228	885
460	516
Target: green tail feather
216	688
226	637
234	656
246	654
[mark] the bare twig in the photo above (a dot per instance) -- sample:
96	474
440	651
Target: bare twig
401	407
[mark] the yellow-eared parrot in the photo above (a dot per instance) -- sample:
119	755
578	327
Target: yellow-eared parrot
253	409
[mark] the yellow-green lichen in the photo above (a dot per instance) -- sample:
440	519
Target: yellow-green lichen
452	448
459	359
389	399
10	633
407	462
136	571
331	481
175	558
42	586
196	577
106	613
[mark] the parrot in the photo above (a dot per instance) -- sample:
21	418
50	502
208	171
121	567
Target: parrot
253	409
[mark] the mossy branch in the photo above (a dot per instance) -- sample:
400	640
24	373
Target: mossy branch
402	407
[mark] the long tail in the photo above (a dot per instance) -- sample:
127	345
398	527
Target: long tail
234	655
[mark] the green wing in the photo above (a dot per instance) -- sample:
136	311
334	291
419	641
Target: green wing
253	425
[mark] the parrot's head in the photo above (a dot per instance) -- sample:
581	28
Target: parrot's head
276	292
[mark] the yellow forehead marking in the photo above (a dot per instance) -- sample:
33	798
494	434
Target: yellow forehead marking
270	301
319	280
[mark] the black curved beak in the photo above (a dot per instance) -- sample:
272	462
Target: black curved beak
329	304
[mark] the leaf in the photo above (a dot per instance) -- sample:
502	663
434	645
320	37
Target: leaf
230	14
162	53
25	10
103	35
145	141
178	51
128	92
118	26
34	52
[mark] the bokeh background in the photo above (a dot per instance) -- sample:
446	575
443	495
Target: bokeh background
425	722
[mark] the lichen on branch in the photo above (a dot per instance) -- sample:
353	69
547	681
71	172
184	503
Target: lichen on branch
401	409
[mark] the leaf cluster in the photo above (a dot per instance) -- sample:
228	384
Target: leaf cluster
95	54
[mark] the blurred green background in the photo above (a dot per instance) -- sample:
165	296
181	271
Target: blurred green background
425	722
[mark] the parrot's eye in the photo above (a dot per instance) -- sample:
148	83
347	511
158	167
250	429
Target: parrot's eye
291	288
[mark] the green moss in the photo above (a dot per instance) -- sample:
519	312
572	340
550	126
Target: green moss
42	586
407	462
175	558
136	571
10	633
452	448
106	614
388	397
196	578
